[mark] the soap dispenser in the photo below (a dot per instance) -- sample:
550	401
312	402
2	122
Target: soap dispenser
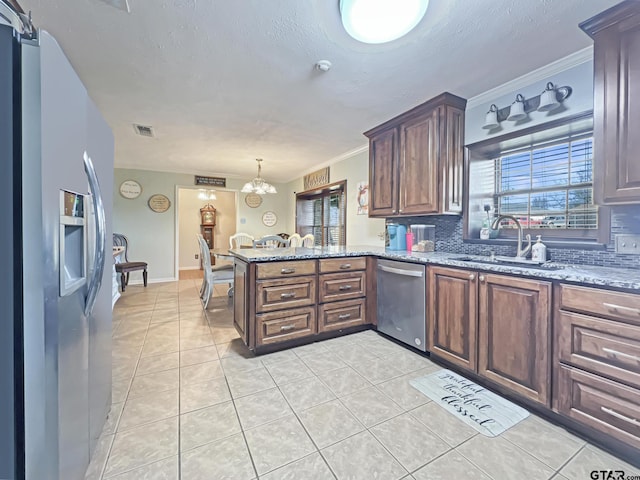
539	251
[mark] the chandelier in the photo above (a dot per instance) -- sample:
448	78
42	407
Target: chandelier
258	185
206	195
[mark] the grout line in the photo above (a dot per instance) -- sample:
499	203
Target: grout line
253	463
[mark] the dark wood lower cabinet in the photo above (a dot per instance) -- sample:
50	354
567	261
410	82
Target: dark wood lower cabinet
601	404
452	315
514	341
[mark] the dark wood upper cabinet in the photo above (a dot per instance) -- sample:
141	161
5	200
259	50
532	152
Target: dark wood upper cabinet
418	186
416	160
383	174
616	41
514	341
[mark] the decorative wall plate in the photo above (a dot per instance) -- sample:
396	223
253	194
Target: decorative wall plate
269	218
130	189
253	200
159	203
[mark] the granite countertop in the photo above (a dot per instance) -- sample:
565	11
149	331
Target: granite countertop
601	276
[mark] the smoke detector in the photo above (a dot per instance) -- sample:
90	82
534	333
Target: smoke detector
143	130
323	65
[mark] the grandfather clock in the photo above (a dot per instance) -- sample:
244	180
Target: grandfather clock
207	224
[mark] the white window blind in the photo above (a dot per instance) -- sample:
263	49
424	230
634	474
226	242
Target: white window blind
548	187
323	215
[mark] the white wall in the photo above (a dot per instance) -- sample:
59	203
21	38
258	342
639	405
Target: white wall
189	206
578	77
152	236
361	230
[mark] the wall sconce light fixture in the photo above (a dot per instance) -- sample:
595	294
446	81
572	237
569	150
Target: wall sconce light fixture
550	99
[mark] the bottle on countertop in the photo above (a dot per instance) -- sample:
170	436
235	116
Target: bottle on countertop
539	251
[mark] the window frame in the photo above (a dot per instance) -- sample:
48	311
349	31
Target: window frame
322	192
559	131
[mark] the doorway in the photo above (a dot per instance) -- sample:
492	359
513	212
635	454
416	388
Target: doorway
188	225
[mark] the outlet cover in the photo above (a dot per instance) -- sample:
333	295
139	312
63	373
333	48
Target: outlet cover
197	256
628	244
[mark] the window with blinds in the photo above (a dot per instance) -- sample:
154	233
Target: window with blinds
548	187
323	214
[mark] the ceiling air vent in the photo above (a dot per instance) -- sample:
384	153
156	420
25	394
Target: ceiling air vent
143	130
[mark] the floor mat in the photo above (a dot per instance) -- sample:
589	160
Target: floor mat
476	406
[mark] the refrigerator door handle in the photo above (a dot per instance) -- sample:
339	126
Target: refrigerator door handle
95	282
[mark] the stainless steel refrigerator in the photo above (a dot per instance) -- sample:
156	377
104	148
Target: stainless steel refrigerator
56	185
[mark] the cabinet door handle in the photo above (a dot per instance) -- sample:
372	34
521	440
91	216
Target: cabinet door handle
345	266
342	288
472	277
344	316
615	308
288	295
615	353
285	328
482	278
286	271
613	413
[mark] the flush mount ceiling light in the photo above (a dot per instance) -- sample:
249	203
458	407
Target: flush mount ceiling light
381	21
258	185
207	195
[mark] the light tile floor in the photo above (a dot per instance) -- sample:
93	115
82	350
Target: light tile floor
190	402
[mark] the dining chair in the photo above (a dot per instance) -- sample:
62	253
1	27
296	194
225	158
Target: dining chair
308	241
212	275
271	241
240	239
126	267
295	240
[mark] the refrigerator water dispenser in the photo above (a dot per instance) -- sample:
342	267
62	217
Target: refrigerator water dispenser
73	243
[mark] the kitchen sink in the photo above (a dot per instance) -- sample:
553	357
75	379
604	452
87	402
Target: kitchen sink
512	262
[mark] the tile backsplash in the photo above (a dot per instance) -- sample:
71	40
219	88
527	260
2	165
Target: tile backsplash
623	220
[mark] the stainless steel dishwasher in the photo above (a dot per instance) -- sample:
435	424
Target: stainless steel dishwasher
401	302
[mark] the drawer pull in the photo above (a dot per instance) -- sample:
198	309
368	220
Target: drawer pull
288	295
344	316
345	266
342	288
615	353
286	328
286	271
620	309
613	413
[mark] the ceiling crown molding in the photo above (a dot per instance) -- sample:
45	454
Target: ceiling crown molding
540	74
339	158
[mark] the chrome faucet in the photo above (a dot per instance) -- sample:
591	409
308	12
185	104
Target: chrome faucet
521	253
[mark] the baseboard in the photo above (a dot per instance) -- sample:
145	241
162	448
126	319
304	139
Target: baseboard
190	268
153	280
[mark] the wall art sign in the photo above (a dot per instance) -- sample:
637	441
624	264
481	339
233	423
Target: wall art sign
211	181
130	189
159	203
316	179
253	200
269	218
363	198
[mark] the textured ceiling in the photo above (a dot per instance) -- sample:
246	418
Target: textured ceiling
224	82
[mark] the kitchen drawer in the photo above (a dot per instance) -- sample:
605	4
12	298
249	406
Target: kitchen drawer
285	293
603	303
338	315
329	265
342	286
607	406
285	325
285	269
603	346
